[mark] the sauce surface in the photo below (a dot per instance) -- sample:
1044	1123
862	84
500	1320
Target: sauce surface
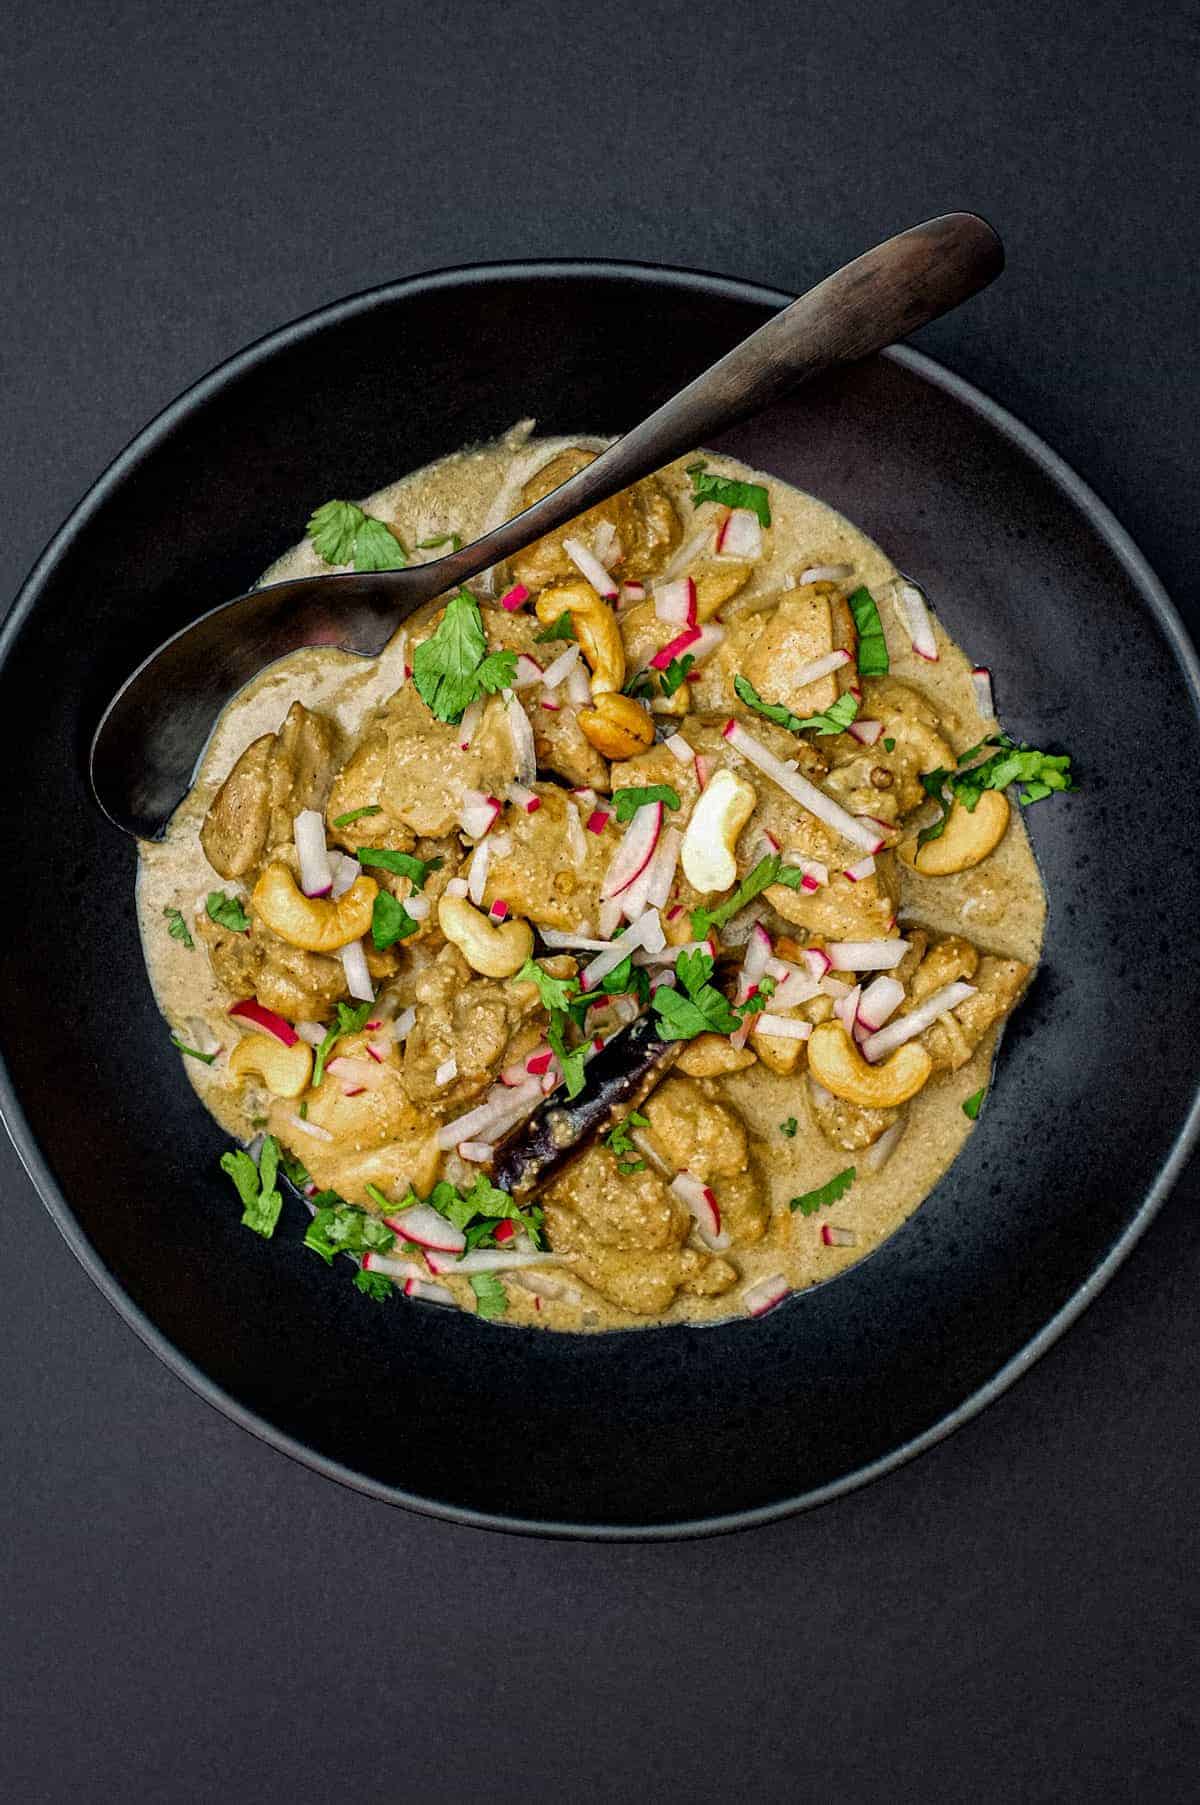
999	905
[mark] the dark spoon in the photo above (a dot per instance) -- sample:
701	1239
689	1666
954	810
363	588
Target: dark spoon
156	726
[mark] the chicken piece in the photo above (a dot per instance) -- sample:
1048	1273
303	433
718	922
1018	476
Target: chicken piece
358	785
848	1125
628	1237
557	736
643	518
999	985
770	648
945	963
697	1131
380	1136
428	773
274	779
470	1020
542	877
884	780
300	986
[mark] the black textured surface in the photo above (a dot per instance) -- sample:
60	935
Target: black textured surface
187	1614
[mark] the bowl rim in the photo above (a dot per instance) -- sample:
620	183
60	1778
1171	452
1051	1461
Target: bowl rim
930	371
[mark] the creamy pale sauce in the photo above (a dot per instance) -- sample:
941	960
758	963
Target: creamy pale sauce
999	905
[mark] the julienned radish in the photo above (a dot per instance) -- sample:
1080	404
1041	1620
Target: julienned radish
635	851
425	1228
806	794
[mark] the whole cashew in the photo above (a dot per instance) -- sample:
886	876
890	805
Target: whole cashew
595	627
968	838
284	1070
494	951
316	923
835	1062
617	726
722	809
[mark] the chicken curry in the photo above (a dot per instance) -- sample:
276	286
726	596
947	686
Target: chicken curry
630	941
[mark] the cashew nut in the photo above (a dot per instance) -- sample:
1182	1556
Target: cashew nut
595	627
494	951
969	836
711	1054
722	809
284	1070
835	1062
318	924
617	726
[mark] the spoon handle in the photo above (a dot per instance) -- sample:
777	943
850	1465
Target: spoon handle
883	295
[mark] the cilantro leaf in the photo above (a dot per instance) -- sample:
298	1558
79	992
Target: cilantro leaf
676	673
628	802
639	687
563	628
453	666
351	1019
707	487
889	745
390	921
769	870
812	1201
625	979
570	1059
556	993
192	1052
1042	773
255	1185
227	912
400	864
295	1171
373	1284
340	1228
178	928
873	660
789	1128
357	814
974	1103
698	1007
430	545
833	720
620	1139
491	1299
342	534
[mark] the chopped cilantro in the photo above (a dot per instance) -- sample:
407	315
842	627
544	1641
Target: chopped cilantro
192	1052
730	494
640	687
400	864
373	1284
570	1059
873	660
351	1019
357	814
390	921
974	1104
255	1185
769	870
227	912
556	993
812	1201
1042	774
453	666
833	720
491	1299
676	673
178	928
453	540
562	628
342	534
480	1211
889	745
628	802
339	1228
293	1169
789	1127
697	1007
620	1140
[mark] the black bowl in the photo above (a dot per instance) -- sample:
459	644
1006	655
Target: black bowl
664	1431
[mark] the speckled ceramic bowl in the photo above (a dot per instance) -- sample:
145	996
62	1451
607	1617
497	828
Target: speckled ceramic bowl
665	1431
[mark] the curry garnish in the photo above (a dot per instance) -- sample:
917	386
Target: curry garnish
261	1198
178	928
812	1201
729	493
341	533
453	666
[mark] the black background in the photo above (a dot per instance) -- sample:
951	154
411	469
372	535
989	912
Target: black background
184	1613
